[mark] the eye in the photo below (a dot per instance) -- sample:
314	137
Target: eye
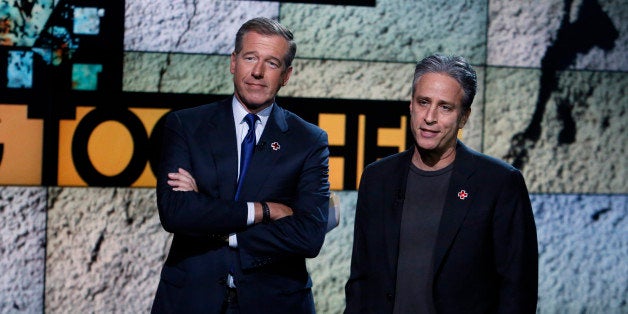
274	64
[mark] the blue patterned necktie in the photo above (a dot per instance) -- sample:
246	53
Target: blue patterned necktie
246	150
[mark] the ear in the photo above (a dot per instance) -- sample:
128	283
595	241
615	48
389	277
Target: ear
286	76
464	118
232	64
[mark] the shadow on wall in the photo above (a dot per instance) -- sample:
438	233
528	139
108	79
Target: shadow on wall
592	28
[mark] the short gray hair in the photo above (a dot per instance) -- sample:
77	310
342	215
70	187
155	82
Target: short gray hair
456	67
268	27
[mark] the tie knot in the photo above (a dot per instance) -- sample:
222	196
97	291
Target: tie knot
250	120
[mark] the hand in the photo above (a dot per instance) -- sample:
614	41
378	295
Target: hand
278	210
182	181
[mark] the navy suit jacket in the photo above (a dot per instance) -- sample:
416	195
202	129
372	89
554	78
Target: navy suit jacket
290	166
485	257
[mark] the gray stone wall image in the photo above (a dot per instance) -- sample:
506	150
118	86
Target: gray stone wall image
105	249
552	81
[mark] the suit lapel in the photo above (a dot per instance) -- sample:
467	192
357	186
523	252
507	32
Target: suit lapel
456	203
220	126
267	152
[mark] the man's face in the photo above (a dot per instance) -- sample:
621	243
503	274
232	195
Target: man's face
436	112
259	70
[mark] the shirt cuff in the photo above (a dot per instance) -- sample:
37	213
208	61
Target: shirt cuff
233	241
250	219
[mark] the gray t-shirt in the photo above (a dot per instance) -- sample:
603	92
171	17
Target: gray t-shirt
422	210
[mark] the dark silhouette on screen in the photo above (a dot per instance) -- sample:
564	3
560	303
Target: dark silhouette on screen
592	28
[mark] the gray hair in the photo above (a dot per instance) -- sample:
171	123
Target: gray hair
456	67
268	27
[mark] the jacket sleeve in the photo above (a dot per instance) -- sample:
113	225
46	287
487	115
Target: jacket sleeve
191	213
303	233
516	251
355	286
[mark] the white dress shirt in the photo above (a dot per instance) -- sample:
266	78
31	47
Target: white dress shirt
239	112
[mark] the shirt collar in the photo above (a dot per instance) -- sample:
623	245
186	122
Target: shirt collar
239	112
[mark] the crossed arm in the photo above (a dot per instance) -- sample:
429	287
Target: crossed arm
183	181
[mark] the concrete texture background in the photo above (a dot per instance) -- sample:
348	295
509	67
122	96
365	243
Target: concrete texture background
100	250
106	247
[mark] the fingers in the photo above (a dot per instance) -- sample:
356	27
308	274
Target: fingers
278	210
182	181
185	173
180	185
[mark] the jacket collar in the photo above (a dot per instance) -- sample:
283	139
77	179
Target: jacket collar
457	202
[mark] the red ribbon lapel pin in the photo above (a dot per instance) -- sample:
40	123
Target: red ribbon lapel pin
275	146
463	194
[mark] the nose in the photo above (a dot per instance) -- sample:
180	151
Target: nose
258	70
430	115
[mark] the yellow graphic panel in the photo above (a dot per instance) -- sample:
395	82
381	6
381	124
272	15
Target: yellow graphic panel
336	173
106	136
393	137
110	147
149	117
334	125
67	175
21	146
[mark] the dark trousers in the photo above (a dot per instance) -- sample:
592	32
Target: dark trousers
230	304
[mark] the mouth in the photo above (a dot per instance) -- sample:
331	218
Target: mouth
428	133
255	84
428	130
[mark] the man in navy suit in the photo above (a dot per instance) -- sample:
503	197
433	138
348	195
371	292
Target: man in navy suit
244	253
441	228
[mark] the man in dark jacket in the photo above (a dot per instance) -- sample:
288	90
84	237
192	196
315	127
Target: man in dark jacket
441	228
